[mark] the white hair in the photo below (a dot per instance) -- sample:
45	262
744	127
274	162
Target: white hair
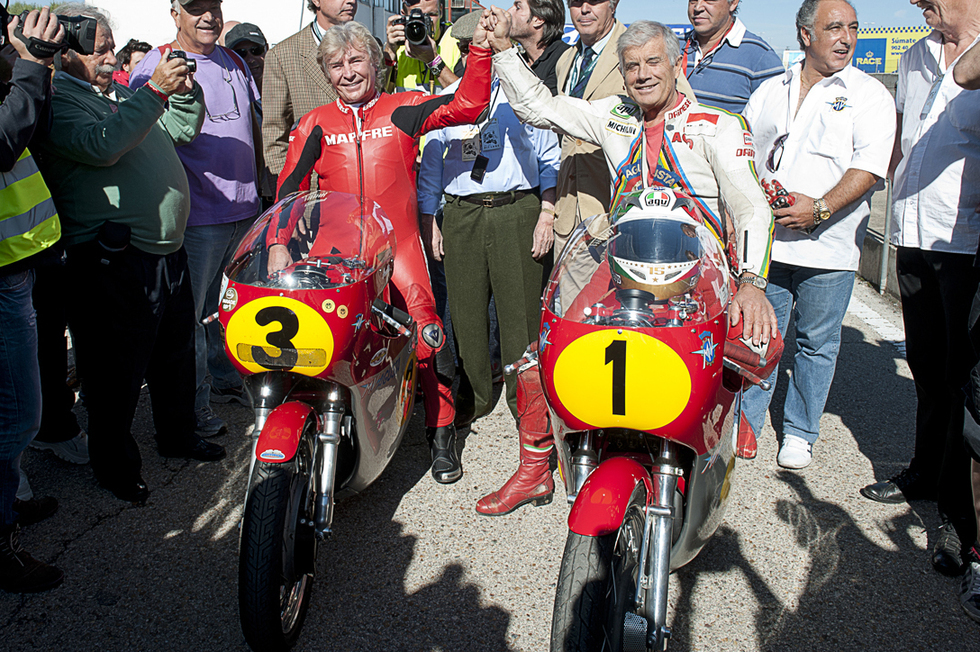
640	32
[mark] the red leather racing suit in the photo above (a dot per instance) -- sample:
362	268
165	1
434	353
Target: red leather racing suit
370	151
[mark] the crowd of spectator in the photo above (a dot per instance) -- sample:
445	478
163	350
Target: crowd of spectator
133	183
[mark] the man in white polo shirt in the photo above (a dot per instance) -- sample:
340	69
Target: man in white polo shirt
824	131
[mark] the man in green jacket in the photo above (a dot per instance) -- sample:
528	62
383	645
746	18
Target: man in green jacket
123	198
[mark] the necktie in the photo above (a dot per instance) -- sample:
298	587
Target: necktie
584	73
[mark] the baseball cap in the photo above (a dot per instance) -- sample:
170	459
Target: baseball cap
244	32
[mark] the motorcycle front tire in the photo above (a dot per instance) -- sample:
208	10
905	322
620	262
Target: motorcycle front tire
597	585
278	552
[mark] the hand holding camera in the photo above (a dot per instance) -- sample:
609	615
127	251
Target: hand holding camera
415	32
36	27
173	75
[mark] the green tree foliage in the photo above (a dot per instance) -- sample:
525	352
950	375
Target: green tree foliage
16	8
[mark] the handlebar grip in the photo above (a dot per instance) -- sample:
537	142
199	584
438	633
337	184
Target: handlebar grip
742	355
400	316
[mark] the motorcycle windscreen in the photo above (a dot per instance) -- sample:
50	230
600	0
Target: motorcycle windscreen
640	272
314	240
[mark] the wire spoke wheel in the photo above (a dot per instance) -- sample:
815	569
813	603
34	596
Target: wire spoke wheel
278	550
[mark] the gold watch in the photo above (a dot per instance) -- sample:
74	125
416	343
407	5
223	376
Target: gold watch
820	211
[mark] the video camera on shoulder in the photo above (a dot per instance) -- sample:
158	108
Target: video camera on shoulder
418	26
79	34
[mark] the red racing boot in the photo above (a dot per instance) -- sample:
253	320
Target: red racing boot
746	448
533	482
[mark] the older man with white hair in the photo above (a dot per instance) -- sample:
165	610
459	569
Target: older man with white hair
123	197
221	168
656	135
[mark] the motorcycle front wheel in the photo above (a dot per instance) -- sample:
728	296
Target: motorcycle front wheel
597	586
278	551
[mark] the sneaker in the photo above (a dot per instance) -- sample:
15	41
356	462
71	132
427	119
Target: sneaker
75	450
970	586
229	395
209	424
795	453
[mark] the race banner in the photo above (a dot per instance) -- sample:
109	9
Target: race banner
879	48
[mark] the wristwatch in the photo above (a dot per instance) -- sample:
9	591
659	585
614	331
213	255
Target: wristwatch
820	211
760	282
436	66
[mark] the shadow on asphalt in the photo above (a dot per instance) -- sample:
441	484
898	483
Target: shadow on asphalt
852	582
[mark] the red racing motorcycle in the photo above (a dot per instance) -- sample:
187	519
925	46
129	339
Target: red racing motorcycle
330	368
643	378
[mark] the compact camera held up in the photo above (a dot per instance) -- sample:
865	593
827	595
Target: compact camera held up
79	35
180	54
418	26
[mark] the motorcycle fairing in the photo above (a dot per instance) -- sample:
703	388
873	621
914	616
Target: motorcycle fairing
601	504
279	440
669	388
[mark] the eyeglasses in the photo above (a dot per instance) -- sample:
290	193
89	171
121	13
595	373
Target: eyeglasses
235	112
256	50
776	153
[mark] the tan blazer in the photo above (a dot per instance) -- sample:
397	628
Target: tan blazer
584	187
583	179
293	84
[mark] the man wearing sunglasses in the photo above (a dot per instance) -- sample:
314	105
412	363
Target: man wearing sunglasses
823	130
222	172
248	42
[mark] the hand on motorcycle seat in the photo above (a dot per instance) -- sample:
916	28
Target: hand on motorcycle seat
750	303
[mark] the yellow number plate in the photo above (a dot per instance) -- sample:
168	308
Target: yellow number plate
279	333
622	380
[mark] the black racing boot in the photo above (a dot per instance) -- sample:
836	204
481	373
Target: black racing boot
19	572
446	466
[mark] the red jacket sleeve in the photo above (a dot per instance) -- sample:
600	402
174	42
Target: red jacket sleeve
464	107
304	150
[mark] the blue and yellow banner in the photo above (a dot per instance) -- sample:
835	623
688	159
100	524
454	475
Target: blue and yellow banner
879	48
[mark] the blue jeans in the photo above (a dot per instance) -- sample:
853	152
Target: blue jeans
209	249
820	297
20	383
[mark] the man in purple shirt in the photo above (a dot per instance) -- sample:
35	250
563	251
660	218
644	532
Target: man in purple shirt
221	171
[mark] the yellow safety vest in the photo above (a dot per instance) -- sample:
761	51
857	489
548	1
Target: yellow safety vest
28	219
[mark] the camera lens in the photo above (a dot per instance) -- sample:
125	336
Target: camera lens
415	32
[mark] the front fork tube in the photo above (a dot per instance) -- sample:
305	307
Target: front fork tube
325	468
651	590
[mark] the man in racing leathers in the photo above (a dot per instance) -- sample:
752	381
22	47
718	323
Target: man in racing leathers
366	144
655	136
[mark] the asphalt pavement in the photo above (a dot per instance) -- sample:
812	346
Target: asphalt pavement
801	562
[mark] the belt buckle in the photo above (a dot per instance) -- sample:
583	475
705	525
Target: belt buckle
488	202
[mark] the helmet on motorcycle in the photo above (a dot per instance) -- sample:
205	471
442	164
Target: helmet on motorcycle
654	244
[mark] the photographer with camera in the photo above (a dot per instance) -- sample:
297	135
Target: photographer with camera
29	226
420	53
123	197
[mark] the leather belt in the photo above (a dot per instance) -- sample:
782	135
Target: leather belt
497	199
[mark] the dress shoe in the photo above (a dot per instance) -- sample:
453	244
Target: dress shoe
202	450
946	558
19	572
133	490
906	485
446	465
34	510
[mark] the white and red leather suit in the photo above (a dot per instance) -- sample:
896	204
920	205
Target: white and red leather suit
370	151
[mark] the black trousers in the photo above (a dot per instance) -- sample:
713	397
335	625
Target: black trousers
132	318
937	291
58	422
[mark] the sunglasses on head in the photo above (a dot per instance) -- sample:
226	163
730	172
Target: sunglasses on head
256	50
